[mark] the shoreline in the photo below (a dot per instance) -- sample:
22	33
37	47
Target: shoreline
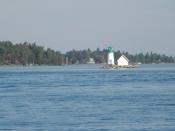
72	65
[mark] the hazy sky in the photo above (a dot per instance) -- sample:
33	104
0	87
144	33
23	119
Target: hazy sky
130	25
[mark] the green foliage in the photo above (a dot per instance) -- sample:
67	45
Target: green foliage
149	58
29	53
101	57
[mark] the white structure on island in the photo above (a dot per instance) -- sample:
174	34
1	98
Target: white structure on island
91	61
110	60
123	61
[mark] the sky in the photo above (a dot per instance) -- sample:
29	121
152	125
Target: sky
127	25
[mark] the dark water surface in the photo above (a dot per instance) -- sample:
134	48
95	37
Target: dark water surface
87	98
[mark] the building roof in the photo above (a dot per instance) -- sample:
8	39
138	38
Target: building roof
109	49
124	57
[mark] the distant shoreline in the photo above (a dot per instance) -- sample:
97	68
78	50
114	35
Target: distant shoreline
73	65
30	54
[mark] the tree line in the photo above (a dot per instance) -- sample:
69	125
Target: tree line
32	54
27	54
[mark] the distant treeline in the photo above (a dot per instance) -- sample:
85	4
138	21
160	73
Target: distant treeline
32	54
27	54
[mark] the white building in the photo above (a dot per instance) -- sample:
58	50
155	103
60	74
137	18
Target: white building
123	61
110	60
91	61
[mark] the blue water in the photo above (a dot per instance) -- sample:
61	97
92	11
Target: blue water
87	98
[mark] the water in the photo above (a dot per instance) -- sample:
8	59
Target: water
87	98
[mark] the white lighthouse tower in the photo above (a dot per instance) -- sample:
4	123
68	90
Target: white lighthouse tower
110	60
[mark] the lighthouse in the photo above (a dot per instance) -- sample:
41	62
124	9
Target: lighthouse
110	60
